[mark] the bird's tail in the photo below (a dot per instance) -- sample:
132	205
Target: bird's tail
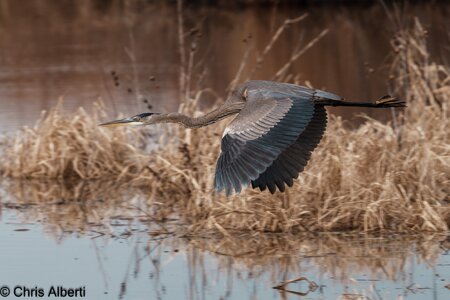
383	102
389	101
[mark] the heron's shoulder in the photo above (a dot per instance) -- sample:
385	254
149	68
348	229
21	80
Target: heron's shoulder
273	89
275	86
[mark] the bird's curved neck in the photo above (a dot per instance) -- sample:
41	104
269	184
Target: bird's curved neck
211	117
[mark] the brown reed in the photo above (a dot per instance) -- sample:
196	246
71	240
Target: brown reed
72	147
96	209
381	176
392	176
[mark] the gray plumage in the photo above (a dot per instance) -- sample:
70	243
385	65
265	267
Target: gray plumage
264	144
271	139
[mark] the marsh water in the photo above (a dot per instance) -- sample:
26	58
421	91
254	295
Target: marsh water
114	252
125	52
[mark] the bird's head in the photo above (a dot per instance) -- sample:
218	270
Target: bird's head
141	119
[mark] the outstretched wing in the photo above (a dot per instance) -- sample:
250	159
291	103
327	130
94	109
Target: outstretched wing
293	159
268	124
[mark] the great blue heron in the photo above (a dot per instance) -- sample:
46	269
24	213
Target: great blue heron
271	139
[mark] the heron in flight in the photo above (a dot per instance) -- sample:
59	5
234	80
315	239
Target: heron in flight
270	140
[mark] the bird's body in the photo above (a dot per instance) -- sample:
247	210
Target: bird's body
271	139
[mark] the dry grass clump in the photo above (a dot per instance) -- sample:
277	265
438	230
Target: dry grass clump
392	176
73	147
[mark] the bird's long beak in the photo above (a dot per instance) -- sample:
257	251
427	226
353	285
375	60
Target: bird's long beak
122	122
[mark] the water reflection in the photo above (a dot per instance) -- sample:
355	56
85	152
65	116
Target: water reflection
76	207
106	241
69	48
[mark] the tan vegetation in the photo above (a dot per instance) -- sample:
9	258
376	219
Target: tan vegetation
97	210
381	176
72	147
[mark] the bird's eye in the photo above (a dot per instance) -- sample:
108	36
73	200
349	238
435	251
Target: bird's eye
136	118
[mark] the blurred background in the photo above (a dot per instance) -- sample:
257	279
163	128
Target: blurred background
126	52
129	225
